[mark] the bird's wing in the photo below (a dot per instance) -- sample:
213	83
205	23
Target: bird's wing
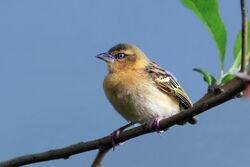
166	82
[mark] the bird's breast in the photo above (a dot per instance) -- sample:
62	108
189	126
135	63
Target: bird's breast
137	99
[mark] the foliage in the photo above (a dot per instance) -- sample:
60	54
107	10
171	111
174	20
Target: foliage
208	13
237	51
206	76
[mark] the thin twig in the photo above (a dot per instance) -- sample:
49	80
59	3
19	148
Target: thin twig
208	101
244	36
100	155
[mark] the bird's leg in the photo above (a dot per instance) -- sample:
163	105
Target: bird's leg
116	134
155	124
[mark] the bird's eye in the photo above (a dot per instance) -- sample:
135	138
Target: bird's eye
120	55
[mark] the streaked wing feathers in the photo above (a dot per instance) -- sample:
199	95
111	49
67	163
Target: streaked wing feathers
166	82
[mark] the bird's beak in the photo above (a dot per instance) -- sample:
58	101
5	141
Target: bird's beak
106	57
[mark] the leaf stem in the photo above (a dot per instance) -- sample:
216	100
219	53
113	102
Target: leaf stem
221	73
244	36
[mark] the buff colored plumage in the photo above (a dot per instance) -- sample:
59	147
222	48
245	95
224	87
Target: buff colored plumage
139	89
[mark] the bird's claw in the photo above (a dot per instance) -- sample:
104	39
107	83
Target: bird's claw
116	135
155	125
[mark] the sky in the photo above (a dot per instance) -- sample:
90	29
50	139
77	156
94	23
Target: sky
51	91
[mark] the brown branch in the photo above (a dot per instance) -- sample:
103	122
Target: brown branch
244	36
208	101
100	155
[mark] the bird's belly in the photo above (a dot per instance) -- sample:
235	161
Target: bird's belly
141	104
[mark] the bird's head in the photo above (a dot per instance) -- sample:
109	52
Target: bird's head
124	57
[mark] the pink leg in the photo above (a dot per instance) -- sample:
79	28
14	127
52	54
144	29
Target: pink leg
116	134
155	125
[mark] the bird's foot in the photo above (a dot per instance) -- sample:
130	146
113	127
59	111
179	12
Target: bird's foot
116	134
155	125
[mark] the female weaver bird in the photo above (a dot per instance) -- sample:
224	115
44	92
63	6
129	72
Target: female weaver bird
140	90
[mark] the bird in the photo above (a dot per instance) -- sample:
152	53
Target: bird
139	89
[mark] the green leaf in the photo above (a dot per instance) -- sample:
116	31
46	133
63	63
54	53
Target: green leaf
208	12
226	78
237	51
208	78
